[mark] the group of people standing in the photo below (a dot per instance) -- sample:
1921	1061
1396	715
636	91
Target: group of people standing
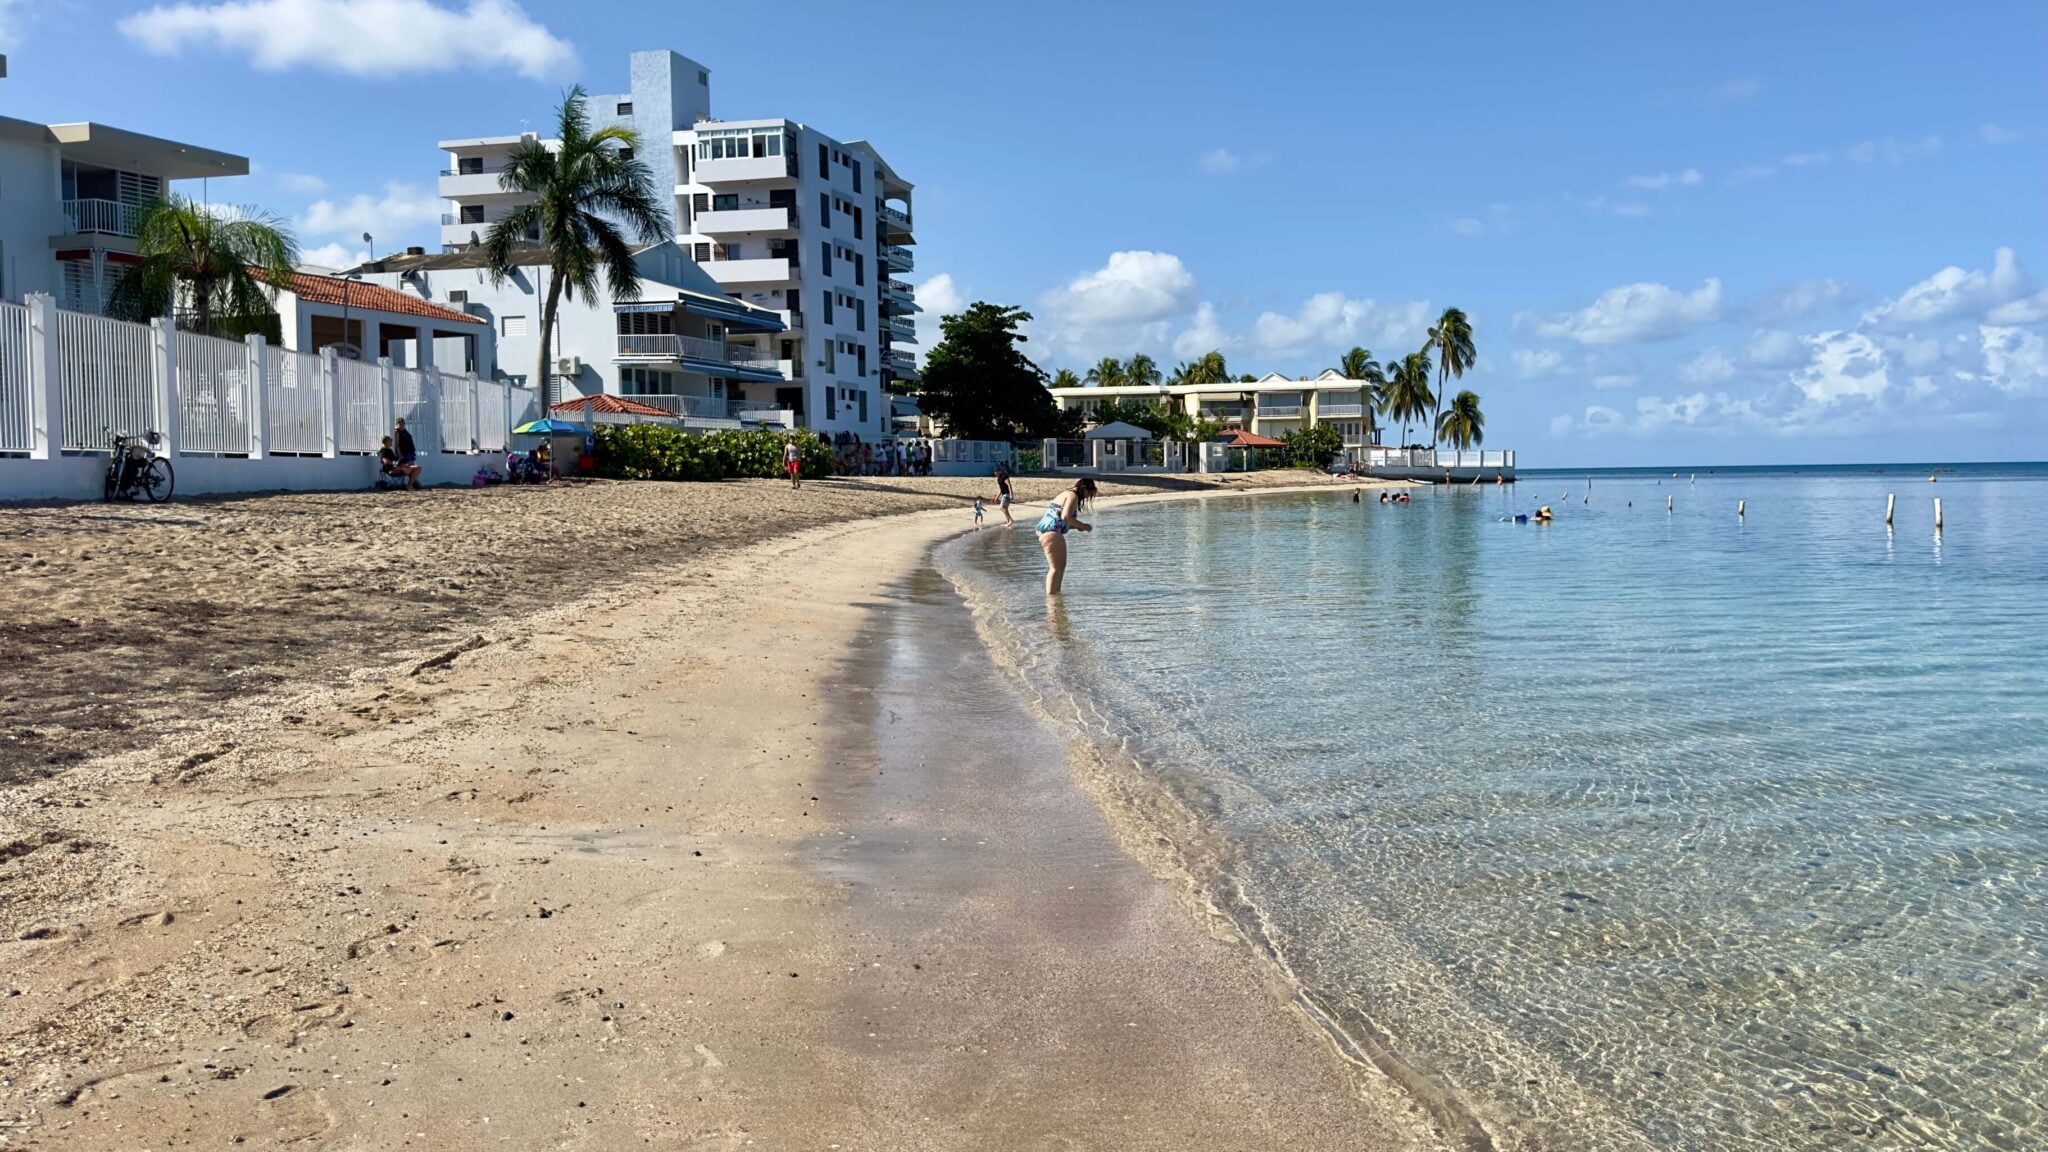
857	457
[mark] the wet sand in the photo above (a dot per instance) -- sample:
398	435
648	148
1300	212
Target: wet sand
665	864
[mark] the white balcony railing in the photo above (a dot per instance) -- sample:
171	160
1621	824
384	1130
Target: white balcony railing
1278	411
1337	411
897	258
669	346
102	217
755	218
895	218
902	329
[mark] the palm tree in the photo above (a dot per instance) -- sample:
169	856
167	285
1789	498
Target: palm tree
1407	395
1107	373
1358	364
1141	370
1462	423
1064	378
221	268
1183	373
1209	368
1451	338
581	188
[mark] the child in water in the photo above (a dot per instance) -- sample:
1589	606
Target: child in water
977	511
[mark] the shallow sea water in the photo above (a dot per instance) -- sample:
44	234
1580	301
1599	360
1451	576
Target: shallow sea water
1642	829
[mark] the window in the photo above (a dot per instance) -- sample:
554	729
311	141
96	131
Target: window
861	355
860	268
831	356
825	247
828	307
856	223
856	175
701	253
860	315
831	403
469	166
725	202
625	108
824	162
703	78
863	403
646	382
825	209
512	325
700	202
765	145
472	214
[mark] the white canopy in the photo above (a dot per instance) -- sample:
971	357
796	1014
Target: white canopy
1118	430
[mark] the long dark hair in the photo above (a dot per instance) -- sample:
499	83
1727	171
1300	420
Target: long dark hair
1084	491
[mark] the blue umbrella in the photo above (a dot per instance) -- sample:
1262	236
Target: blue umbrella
551	427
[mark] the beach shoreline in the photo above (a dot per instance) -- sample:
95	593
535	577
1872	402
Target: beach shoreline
562	879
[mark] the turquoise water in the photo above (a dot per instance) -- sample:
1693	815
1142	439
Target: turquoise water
1642	829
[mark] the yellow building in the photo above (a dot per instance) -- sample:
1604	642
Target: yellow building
1271	406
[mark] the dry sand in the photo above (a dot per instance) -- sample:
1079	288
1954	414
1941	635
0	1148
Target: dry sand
716	835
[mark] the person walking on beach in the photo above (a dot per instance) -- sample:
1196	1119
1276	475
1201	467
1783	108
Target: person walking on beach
793	462
1003	493
1062	516
408	455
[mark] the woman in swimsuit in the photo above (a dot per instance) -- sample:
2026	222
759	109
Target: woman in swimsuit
1062	516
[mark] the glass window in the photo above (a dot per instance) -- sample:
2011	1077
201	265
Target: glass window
761	144
625	108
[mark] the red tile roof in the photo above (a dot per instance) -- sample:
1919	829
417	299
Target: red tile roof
369	298
1239	438
609	403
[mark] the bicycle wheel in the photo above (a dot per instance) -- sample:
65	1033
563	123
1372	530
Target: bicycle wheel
110	487
157	480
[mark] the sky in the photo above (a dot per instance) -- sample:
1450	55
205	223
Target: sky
1704	234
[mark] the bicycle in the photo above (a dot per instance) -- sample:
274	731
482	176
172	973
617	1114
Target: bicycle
133	466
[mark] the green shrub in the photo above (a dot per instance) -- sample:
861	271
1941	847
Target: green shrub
1311	447
664	452
1030	459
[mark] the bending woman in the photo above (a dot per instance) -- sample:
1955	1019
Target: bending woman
1061	516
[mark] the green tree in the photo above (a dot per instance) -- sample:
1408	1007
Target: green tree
579	189
1141	370
1247	378
221	270
1358	364
1462	424
1065	378
1311	447
1451	339
1407	396
1107	373
978	381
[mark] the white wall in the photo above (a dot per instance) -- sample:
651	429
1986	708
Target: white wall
31	211
81	477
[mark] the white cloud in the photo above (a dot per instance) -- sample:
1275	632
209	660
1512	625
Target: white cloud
1654	413
2015	359
1331	319
1615	381
1712	366
939	296
1802	299
1127	305
1629	209
1467	226
1845	366
301	182
1204	335
2025	310
1531	363
1220	160
336	256
389	217
1745	173
1994	135
1775	348
1892	151
10	25
1498	218
1804	159
1662	180
1633	313
375	38
1953	293
1598	420
1738	90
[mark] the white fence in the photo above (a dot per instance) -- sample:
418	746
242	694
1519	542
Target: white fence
69	380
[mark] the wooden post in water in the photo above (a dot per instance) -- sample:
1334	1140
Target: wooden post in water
1890	498
1937	515
1667	504
1741	509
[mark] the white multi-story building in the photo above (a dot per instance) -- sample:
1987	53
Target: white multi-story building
71	197
778	214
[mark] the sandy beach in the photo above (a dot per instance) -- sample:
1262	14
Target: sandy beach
648	815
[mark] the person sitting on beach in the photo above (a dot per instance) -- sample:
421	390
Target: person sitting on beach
387	462
408	455
1062	516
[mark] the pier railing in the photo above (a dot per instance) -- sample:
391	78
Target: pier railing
1438	458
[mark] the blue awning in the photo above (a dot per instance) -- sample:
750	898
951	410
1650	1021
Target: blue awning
644	306
732	371
737	316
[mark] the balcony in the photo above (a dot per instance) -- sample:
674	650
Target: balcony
1223	415
773	270
101	217
898	293
668	347
901	363
741	169
900	328
733	220
895	223
472	186
897	258
1279	411
1340	411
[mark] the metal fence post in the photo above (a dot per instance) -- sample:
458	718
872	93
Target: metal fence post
330	417
476	435
45	379
385	387
163	365
259	397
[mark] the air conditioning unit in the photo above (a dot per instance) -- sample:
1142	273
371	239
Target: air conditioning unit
569	366
458	297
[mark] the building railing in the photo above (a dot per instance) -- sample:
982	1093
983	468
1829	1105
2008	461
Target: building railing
1334	411
894	217
1278	411
897	258
899	288
901	328
671	346
1439	458
1221	415
102	217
